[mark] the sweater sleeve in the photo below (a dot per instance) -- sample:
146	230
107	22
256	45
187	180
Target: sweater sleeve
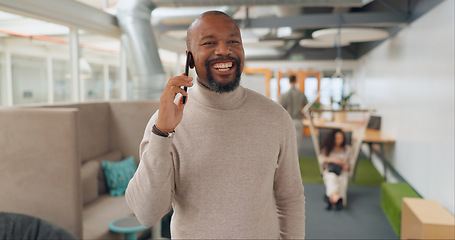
149	192
288	188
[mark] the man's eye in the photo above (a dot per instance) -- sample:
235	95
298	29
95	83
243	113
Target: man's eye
208	43
234	41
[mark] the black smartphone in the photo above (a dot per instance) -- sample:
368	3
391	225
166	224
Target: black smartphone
187	68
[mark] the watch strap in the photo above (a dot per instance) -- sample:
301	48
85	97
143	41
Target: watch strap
158	132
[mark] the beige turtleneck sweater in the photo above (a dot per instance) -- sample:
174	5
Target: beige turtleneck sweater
230	171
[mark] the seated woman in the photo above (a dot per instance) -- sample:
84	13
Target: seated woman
335	160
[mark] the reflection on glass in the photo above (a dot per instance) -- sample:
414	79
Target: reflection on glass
99	66
94	83
2	81
337	89
273	89
285	86
331	90
255	82
114	82
29	79
311	88
62	80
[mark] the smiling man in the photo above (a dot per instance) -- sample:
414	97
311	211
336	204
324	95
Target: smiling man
222	54
226	160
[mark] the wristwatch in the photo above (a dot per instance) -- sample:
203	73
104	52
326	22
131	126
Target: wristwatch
158	132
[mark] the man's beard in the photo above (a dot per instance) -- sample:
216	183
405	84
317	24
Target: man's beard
221	87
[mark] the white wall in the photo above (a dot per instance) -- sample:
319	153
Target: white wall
409	80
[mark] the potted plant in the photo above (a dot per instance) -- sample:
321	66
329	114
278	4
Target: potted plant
344	103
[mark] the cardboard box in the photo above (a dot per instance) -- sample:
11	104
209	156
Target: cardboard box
426	219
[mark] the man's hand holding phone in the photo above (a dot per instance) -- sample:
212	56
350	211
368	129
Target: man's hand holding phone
170	112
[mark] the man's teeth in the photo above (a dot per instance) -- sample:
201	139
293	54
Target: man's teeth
222	66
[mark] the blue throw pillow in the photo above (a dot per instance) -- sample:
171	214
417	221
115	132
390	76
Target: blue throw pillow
118	174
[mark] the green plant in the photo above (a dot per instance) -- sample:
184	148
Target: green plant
316	105
345	101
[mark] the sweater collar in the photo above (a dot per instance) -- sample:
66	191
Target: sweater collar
222	101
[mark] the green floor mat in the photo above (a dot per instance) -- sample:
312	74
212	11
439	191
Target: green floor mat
366	174
309	170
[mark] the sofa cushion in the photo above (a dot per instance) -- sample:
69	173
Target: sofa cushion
114	155
89	178
118	174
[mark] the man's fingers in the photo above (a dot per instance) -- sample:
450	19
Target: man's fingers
180	103
177	90
174	86
180	81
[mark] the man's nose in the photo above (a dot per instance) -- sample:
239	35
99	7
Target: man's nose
222	49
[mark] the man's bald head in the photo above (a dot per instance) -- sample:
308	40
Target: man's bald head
194	23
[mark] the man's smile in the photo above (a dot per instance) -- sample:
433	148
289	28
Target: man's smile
223	66
223	73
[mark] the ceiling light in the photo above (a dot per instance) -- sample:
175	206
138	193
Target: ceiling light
283	32
260	32
270	43
261	52
316	43
351	34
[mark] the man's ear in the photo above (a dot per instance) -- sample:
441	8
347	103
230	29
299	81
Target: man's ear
190	59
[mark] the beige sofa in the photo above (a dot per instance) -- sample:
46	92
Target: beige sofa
50	161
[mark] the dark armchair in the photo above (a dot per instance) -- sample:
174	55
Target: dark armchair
19	226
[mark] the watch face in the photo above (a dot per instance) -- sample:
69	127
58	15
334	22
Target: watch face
171	134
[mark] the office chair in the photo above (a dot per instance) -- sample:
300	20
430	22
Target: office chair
20	226
374	123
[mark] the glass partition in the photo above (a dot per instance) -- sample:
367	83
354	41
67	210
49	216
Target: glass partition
39	53
93	82
331	90
99	66
2	79
114	82
254	82
29	75
33	47
62	80
311	88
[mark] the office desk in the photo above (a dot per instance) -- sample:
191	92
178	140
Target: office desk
376	136
373	136
345	126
